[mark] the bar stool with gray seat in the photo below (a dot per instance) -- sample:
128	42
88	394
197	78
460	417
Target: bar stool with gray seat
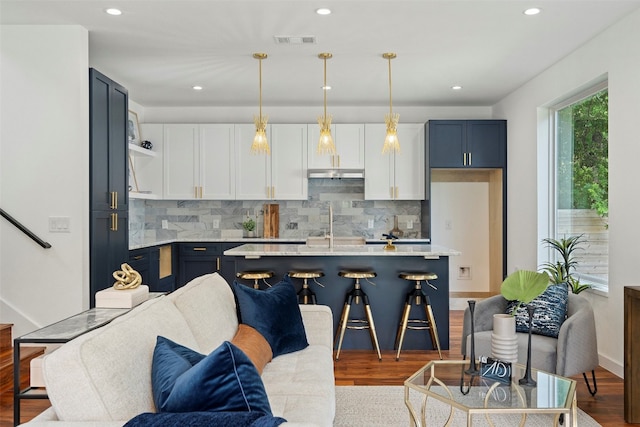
256	275
306	294
418	296
355	295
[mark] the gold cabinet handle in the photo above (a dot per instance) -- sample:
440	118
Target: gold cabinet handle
397	192
464	159
338	157
114	222
469	158
200	249
138	257
218	264
112	203
273	192
391	191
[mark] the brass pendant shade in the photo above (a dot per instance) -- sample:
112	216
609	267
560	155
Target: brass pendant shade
325	144
260	143
391	142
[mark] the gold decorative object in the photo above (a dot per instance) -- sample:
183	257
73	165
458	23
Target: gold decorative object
260	143
391	142
325	144
390	246
127	278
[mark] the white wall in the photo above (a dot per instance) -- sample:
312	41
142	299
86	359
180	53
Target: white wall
460	220
615	53
341	114
44	171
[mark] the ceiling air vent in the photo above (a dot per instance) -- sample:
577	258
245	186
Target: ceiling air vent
295	39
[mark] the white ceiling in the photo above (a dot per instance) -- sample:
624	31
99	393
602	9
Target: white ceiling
159	49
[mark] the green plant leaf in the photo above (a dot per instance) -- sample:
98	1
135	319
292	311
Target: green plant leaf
524	285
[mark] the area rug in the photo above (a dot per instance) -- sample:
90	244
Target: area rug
367	406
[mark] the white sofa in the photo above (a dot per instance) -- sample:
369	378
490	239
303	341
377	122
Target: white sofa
103	378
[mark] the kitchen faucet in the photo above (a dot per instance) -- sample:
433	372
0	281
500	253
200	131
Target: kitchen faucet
330	236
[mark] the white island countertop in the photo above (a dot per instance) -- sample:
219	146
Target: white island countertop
255	250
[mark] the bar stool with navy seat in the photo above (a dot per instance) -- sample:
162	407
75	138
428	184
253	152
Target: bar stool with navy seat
355	295
256	275
306	294
418	296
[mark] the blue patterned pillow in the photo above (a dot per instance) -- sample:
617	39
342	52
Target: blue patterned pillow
204	419
184	380
275	313
551	310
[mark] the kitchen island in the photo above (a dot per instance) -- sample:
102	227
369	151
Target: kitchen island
386	297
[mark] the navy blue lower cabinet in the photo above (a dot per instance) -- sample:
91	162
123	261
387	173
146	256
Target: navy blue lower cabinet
387	297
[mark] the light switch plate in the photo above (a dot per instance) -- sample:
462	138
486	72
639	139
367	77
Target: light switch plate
60	224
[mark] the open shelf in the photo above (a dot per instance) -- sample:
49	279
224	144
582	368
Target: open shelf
139	151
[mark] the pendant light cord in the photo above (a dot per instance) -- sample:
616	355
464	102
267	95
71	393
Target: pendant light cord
390	98
325	87
260	97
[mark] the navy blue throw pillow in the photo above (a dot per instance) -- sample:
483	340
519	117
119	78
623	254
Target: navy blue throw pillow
205	419
274	312
184	380
550	313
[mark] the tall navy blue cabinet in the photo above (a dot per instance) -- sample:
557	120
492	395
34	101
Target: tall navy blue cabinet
109	195
475	151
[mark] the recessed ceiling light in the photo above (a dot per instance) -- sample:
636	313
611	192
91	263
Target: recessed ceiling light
532	11
196	87
323	11
113	11
456	87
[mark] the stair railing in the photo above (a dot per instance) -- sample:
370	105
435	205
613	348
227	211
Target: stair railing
24	229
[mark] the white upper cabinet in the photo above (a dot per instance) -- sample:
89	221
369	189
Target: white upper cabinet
181	162
279	176
253	171
217	162
349	142
395	176
199	162
289	162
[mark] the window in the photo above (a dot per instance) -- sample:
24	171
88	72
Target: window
580	199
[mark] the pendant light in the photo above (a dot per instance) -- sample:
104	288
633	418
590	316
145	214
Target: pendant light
391	142
260	143
325	144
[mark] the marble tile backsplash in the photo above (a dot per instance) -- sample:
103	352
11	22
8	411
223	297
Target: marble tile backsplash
196	219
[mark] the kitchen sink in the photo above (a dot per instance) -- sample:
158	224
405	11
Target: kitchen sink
318	241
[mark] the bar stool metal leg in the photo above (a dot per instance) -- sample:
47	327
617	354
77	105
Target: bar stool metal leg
402	328
372	327
433	329
342	327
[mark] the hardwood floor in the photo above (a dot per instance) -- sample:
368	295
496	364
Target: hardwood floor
361	367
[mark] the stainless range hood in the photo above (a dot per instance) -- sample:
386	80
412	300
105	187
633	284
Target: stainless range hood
335	173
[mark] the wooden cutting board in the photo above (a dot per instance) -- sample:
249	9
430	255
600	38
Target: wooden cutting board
271	220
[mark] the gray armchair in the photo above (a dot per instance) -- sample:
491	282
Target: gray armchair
575	350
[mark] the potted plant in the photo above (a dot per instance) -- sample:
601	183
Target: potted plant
523	286
249	225
561	270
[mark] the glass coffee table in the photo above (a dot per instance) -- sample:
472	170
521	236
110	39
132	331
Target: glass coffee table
447	382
